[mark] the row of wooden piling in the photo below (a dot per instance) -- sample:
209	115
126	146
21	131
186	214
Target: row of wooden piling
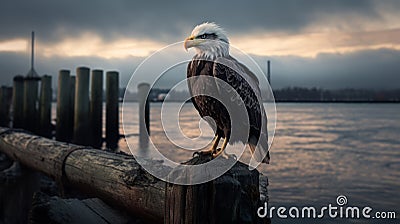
79	111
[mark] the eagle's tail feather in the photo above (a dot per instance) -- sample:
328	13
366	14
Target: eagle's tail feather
260	152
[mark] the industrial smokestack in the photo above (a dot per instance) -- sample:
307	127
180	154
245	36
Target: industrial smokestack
269	72
32	72
33	50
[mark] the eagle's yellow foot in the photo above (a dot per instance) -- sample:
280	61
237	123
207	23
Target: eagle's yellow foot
211	150
218	151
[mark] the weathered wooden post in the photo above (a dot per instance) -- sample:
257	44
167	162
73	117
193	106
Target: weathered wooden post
30	109
81	115
5	103
45	107
233	197
72	81
63	124
18	101
112	109
96	108
144	117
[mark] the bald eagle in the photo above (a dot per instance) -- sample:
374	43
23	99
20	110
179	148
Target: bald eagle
212	59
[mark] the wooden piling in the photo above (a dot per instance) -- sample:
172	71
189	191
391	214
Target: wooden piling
70	130
18	101
96	108
63	123
45	107
144	116
232	198
30	108
81	114
5	103
112	109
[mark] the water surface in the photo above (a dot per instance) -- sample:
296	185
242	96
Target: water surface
320	151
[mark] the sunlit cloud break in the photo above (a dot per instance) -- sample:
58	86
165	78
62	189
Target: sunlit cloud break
313	43
90	45
14	45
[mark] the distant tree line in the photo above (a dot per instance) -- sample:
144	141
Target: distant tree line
293	94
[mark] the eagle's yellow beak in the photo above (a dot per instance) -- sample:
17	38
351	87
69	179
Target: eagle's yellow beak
189	42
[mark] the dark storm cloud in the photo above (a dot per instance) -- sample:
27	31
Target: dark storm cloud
372	69
165	20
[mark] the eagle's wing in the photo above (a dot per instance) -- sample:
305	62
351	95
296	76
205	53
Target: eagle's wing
243	81
200	83
246	85
190	76
249	73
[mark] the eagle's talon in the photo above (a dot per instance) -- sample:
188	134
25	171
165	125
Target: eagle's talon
196	154
233	156
217	152
202	153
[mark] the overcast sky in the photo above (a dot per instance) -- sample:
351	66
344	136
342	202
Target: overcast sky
329	44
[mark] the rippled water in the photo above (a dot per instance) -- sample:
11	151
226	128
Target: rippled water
320	151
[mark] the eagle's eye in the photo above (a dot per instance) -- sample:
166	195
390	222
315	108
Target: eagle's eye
204	36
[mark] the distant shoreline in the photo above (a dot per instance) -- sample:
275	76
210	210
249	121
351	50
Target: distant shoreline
336	101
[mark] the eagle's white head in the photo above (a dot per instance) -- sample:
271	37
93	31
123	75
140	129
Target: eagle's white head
209	40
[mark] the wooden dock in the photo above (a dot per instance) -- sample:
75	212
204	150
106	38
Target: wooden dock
69	152
119	180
